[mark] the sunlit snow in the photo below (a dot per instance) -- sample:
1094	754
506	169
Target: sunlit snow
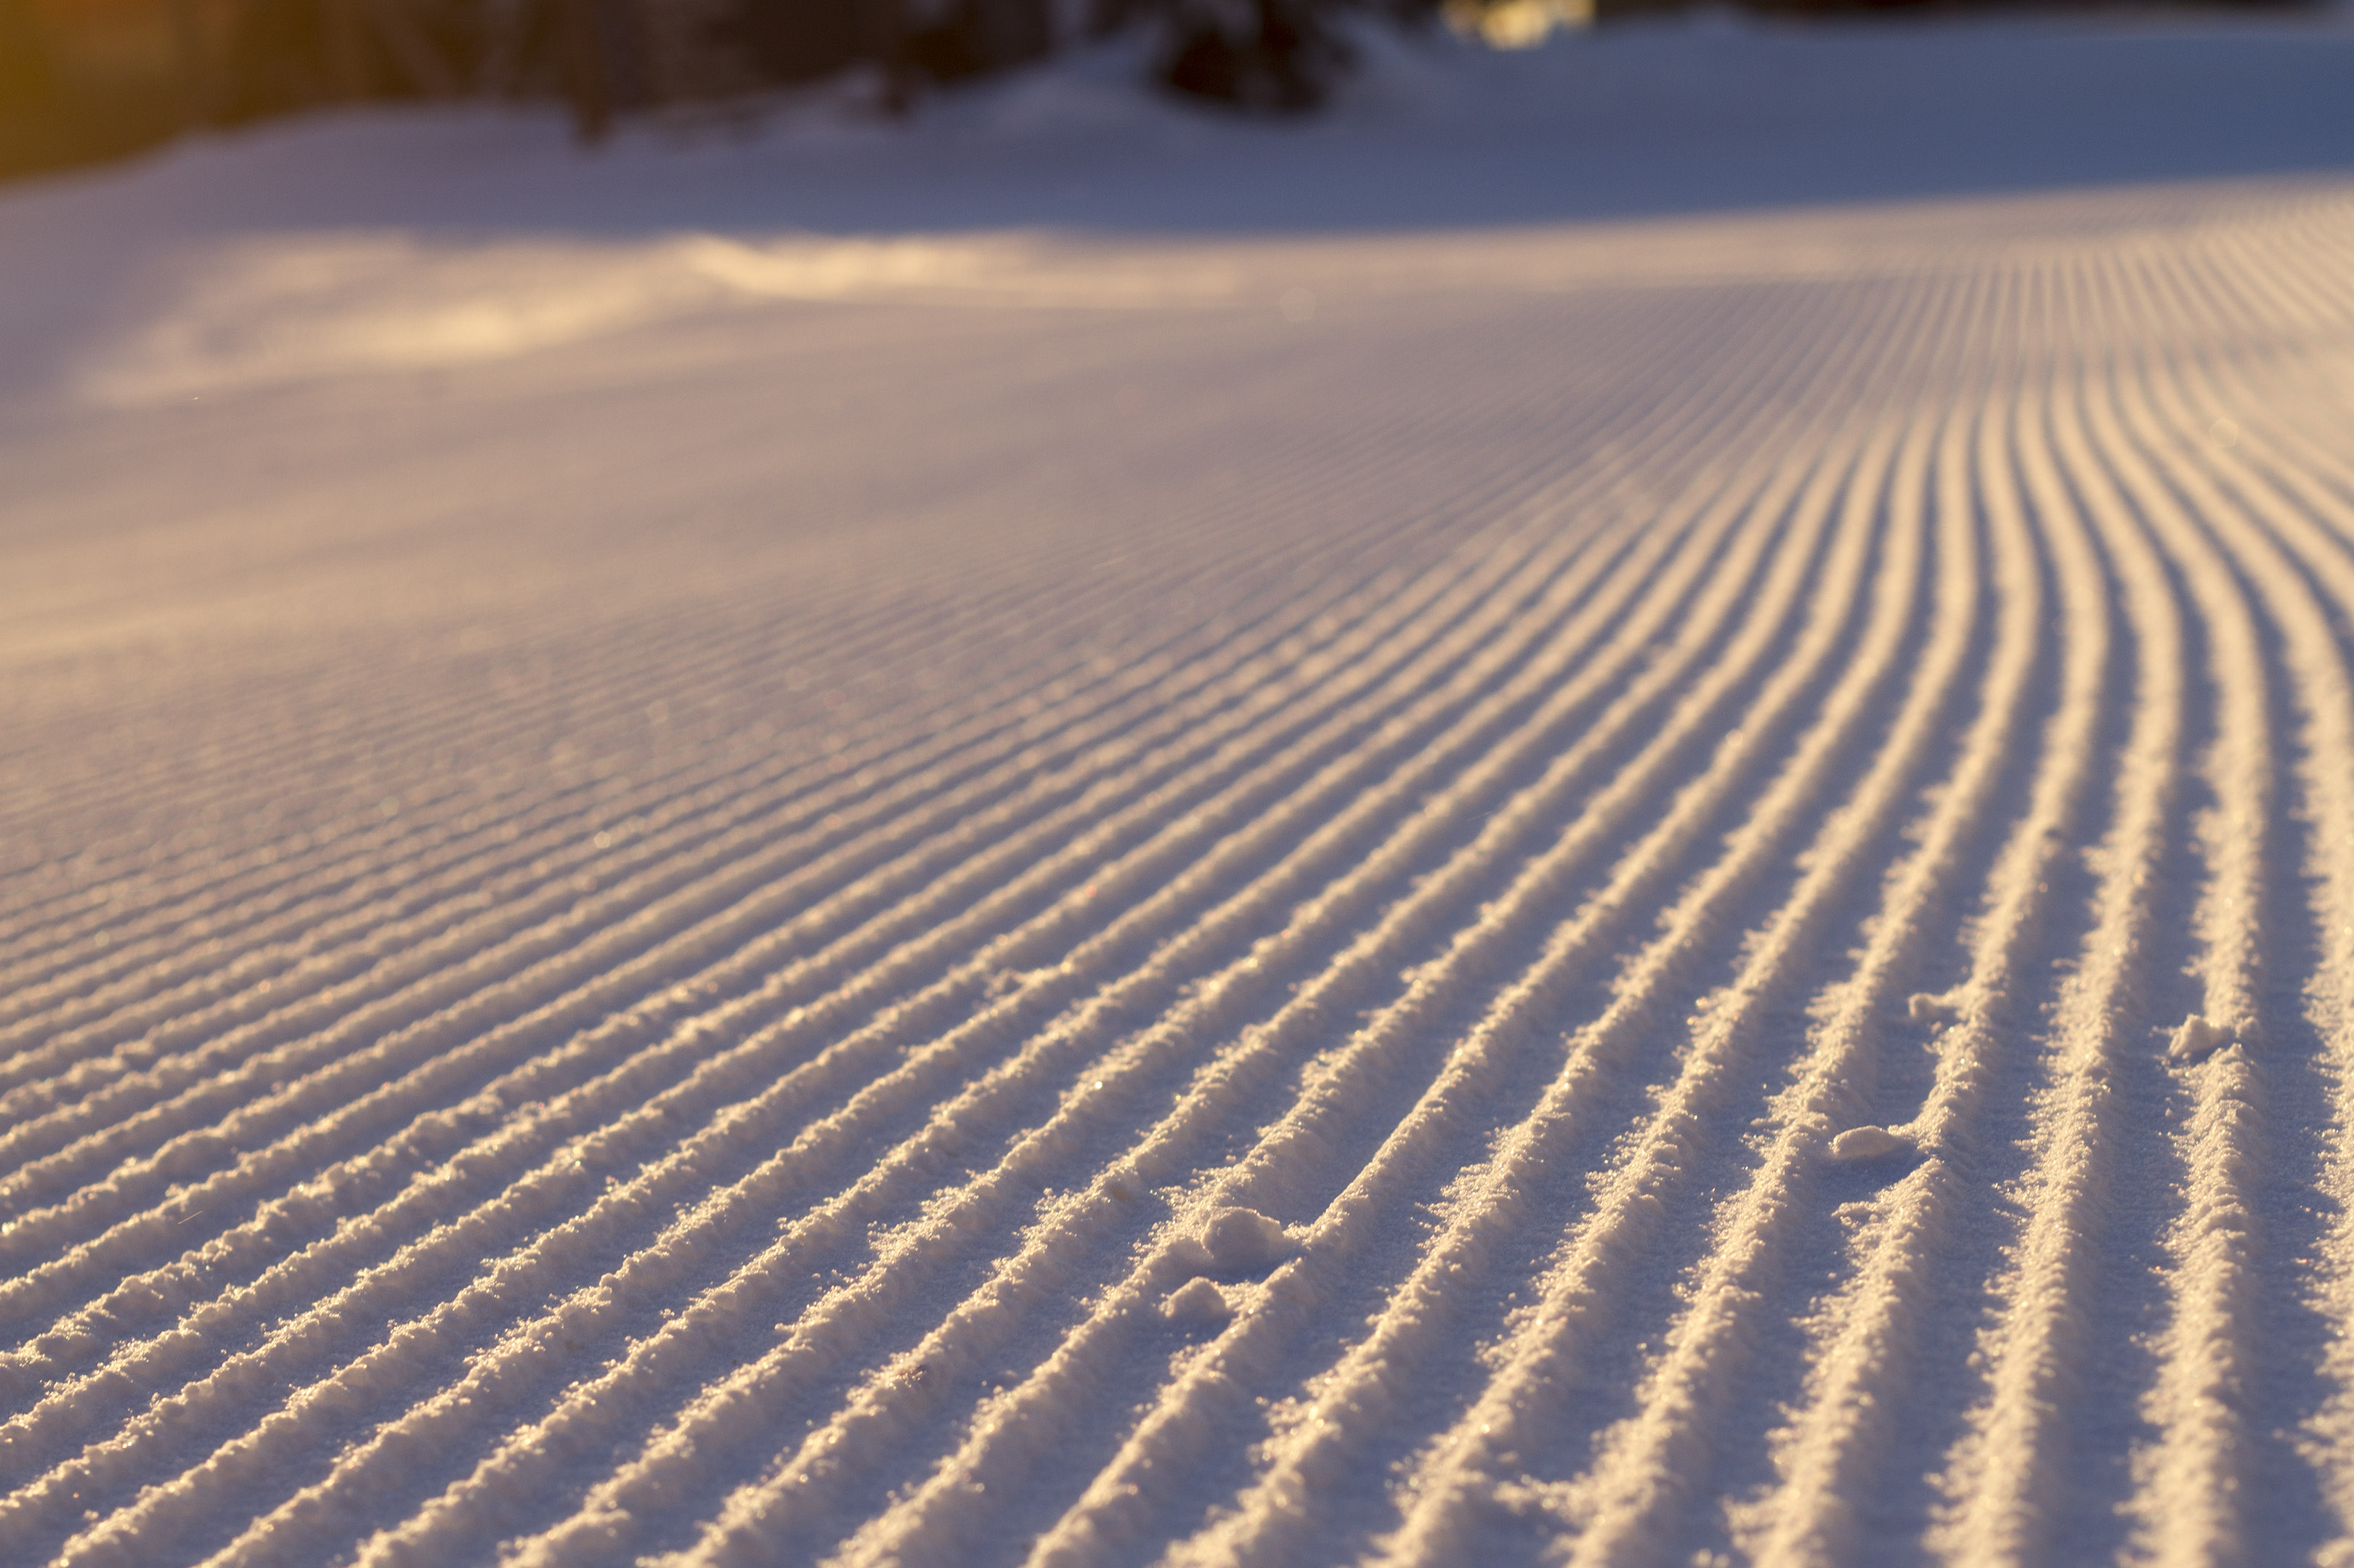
1603	811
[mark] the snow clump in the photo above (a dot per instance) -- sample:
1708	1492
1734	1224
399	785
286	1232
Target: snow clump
1866	1143
1243	1241
2196	1039
1198	1300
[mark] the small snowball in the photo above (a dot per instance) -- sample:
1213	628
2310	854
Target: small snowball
1925	1009
1198	1300
1866	1143
2197	1039
1243	1241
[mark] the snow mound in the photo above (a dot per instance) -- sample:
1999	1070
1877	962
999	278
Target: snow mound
1198	1300
1243	1241
1858	1143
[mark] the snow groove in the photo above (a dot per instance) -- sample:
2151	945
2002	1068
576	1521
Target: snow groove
1743	954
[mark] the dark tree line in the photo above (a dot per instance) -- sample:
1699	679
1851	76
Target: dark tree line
232	62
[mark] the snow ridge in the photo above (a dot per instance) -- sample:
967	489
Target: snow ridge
1765	970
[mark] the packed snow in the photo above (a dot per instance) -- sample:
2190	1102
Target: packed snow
1601	813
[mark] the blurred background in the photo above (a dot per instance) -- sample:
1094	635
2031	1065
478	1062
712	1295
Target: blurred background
82	81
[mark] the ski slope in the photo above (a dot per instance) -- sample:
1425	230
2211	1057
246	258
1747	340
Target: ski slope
1604	814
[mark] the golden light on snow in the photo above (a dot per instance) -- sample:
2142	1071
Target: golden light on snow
753	863
1517	24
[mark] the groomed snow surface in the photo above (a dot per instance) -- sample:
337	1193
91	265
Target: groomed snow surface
1602	814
